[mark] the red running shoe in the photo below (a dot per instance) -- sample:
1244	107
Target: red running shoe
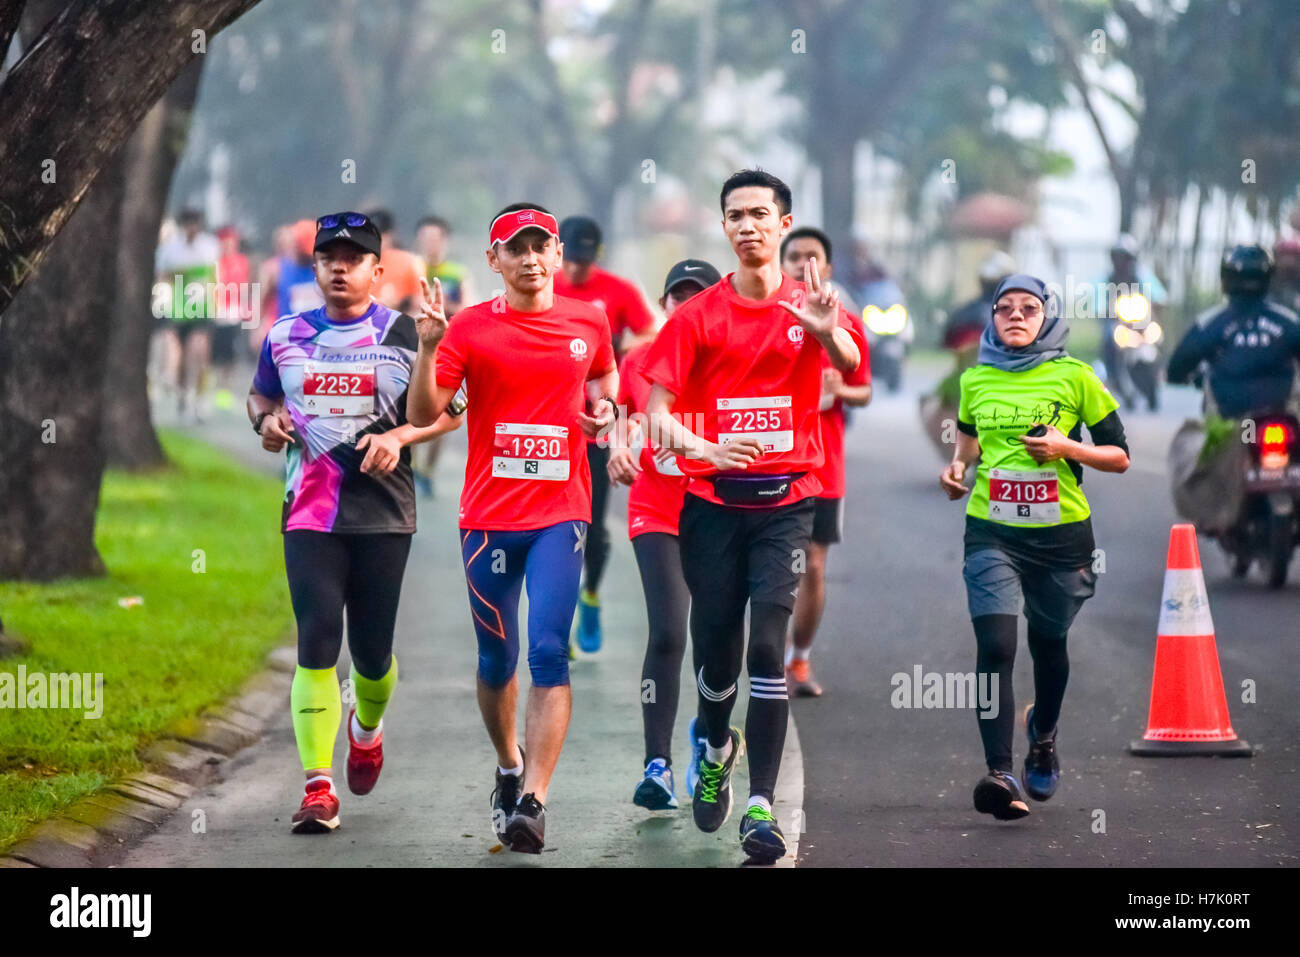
364	764
319	813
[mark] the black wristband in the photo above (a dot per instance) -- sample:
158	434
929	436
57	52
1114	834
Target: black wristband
612	403
258	420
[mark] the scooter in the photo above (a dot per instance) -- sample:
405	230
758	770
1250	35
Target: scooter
1137	338
888	333
1268	528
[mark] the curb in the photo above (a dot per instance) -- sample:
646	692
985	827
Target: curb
97	830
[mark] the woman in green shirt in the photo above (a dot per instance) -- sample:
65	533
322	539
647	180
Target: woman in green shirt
1028	527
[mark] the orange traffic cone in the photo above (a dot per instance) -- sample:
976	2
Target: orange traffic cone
1189	711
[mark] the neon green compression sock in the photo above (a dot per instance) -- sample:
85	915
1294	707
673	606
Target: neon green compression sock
317	710
373	694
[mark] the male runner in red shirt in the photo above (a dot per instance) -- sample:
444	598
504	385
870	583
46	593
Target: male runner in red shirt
745	357
627	311
838	391
540	372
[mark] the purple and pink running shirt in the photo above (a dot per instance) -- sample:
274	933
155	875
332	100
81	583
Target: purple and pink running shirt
340	381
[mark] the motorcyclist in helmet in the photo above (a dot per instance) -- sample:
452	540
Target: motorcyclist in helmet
1125	274
966	323
1251	344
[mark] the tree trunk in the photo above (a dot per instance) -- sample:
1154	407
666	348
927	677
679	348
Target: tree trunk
68	105
53	352
150	159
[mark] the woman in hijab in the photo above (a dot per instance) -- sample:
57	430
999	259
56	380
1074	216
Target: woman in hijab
1028	527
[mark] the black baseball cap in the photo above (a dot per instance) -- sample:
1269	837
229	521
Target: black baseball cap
692	270
356	228
581	237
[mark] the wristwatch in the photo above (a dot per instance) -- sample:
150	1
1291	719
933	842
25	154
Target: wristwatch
257	421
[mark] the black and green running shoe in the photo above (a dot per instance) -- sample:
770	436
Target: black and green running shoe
711	801
760	836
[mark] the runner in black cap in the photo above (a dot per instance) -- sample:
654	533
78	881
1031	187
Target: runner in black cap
654	503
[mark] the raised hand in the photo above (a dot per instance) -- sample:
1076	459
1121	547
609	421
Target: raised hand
431	321
820	313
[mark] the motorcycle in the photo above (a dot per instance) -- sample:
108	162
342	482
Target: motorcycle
1267	528
1137	339
888	332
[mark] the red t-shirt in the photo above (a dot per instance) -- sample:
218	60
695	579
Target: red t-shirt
526	376
623	303
745	367
831	473
654	503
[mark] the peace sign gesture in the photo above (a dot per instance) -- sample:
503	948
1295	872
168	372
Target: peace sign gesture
820	314
431	323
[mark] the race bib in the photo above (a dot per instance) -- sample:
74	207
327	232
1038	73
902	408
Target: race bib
524	451
1025	497
338	388
769	419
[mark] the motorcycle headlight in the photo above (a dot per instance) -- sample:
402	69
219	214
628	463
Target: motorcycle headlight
1132	308
1122	335
886	322
1153	333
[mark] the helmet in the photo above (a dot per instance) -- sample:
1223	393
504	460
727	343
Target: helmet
998	266
1125	245
1245	270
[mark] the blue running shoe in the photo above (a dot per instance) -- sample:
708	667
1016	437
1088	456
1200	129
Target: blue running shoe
588	622
1042	767
697	744
656	791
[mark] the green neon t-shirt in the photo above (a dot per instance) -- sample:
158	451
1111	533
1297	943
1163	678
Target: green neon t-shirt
1010	487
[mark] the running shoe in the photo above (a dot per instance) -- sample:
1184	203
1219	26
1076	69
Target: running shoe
711	802
526	831
656	791
589	636
319	813
1042	767
364	763
800	680
697	745
505	796
999	794
760	836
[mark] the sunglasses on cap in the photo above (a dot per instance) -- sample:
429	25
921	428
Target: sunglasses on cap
334	220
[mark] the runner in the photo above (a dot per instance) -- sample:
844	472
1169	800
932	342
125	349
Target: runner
399	285
1028	525
539	367
291	274
431	235
627	312
798	247
188	259
654	503
745	355
233	308
330	386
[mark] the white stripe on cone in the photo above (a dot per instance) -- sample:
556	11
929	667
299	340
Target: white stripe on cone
1185	605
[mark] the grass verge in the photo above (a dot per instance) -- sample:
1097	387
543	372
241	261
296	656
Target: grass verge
198	544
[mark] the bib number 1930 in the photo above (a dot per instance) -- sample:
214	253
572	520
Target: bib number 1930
525	451
1031	498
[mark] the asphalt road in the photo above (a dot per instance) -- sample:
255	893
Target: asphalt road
892	787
